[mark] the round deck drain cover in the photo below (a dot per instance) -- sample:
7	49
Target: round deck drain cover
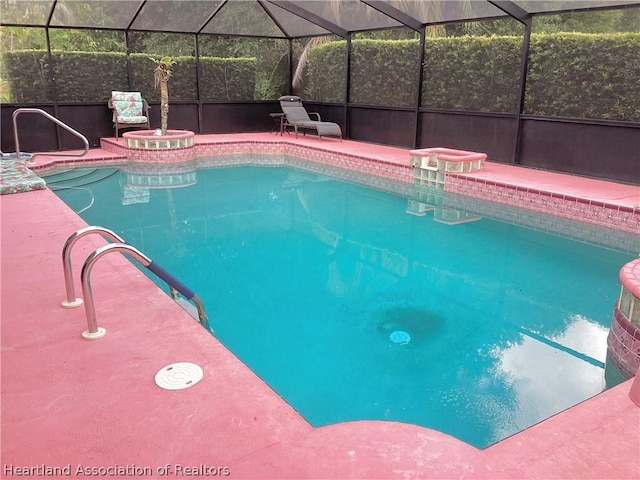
178	376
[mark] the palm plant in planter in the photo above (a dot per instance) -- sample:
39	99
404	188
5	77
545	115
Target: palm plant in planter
162	73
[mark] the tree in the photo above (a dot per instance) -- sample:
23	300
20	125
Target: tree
162	73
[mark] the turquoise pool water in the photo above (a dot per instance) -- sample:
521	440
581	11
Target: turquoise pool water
351	308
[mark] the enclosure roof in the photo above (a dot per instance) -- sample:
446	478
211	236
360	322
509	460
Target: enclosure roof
277	18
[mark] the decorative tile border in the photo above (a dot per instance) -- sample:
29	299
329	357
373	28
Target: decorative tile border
573	228
630	278
164	155
383	183
623	344
566	206
148	140
144	146
357	163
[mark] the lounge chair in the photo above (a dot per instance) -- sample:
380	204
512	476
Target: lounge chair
296	116
130	110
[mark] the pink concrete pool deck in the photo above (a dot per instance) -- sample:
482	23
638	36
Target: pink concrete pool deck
72	405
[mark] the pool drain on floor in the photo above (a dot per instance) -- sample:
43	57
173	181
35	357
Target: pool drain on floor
400	337
178	376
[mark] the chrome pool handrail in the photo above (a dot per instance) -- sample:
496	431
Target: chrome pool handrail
94	332
19	111
72	301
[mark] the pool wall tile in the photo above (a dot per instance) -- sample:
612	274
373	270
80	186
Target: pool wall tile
566	206
623	341
565	226
623	344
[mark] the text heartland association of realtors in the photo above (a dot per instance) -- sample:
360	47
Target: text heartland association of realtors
115	470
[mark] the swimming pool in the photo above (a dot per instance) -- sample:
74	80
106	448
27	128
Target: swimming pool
352	308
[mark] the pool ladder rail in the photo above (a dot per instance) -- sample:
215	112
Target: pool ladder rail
93	331
19	111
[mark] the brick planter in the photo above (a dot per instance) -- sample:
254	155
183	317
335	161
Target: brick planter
145	146
624	337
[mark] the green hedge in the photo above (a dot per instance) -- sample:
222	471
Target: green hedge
227	79
384	72
25	77
459	73
85	77
472	73
585	76
325	78
570	74
90	77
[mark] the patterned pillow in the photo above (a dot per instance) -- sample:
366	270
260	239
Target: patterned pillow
127	107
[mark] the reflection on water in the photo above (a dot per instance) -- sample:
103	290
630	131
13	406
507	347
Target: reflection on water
139	178
352	307
548	379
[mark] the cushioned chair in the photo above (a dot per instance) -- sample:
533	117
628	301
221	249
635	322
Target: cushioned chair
130	110
296	117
